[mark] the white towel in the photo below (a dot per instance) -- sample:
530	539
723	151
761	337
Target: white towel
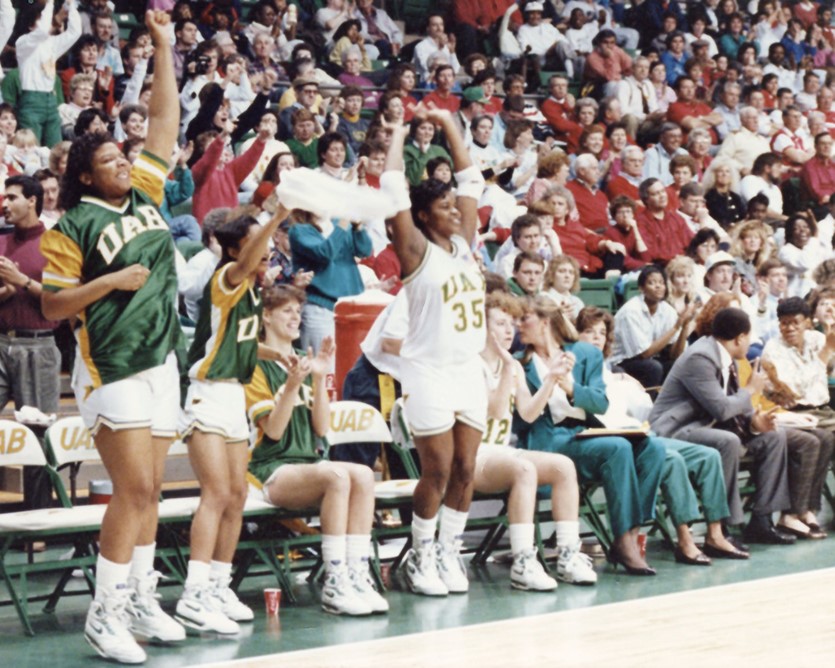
328	197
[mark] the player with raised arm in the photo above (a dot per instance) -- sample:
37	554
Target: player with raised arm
446	397
110	266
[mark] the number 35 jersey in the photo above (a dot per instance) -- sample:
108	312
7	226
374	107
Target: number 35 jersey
225	343
446	307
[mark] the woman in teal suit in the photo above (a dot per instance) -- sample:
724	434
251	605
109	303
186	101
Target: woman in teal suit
630	472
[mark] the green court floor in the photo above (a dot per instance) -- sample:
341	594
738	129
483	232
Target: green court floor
59	641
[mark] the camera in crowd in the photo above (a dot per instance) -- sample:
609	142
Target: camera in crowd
198	65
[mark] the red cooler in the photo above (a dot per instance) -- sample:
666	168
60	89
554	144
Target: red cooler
354	316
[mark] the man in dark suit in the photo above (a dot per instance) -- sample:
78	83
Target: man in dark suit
701	402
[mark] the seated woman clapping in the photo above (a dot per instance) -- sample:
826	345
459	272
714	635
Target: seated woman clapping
629	472
288	402
500	467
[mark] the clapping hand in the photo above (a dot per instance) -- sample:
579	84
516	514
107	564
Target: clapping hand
504	354
320	365
298	368
10	272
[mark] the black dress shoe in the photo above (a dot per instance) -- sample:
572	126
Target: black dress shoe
719	553
614	558
699	560
766	534
736	541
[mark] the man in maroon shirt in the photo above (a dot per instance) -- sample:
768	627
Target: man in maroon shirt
689	113
592	203
818	175
29	359
443	97
30	362
664	232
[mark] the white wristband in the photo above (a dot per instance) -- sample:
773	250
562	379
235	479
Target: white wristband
470	182
393	185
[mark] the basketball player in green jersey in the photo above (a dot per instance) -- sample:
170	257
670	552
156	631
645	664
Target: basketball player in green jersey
288	403
110	266
214	424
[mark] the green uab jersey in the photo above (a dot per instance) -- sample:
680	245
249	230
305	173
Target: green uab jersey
225	343
124	332
298	443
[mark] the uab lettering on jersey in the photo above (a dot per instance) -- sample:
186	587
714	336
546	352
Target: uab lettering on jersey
248	329
469	312
115	235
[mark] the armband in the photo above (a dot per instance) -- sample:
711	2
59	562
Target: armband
470	182
393	185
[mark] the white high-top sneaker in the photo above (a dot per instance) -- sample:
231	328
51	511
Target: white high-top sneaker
199	609
107	628
421	571
528	574
147	618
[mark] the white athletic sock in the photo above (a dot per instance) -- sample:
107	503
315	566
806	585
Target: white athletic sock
423	530
198	573
521	537
453	523
142	564
219	570
333	551
568	533
110	576
358	547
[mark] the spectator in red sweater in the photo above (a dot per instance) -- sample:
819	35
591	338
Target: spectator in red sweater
625	231
592	203
817	177
218	174
443	97
595	254
558	110
631	174
608	63
664	232
689	113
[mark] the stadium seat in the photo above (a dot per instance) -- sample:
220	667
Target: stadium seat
598	292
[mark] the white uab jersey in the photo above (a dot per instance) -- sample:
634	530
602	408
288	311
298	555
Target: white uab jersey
446	307
497	431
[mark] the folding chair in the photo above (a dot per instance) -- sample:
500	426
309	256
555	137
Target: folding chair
20	447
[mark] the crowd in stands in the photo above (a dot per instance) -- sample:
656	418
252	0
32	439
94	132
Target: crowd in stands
679	152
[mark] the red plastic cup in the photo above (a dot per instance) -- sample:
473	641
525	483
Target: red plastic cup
385	574
642	544
272	600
